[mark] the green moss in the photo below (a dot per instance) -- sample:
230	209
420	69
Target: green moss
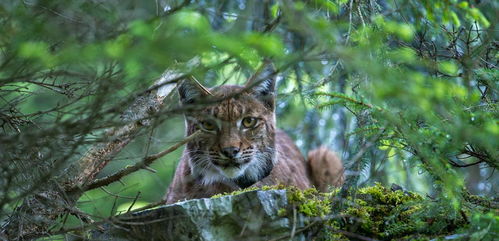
380	213
235	192
310	202
249	189
282	212
384	214
385	196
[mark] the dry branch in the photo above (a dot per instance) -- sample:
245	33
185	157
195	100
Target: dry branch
146	161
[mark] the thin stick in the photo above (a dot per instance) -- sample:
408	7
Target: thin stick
133	203
293	230
204	89
140	165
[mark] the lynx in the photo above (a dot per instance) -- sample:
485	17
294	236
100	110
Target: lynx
240	146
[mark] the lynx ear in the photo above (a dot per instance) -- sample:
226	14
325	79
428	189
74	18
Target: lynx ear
190	90
262	84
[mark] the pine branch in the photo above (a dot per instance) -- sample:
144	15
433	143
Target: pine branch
35	215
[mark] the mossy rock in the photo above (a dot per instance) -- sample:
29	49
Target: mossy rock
377	212
279	212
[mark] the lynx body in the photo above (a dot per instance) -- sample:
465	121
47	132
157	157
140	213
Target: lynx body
240	146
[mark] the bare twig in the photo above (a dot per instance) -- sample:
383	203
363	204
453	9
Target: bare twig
140	165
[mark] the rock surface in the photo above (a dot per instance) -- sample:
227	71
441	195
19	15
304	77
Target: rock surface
376	213
252	215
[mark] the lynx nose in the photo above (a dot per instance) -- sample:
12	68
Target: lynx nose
230	152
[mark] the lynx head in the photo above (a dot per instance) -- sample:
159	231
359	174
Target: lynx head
236	145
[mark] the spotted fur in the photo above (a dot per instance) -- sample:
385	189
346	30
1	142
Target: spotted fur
265	155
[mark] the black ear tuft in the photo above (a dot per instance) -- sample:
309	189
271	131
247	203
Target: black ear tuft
265	87
263	84
188	92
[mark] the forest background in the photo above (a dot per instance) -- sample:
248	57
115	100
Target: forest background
405	91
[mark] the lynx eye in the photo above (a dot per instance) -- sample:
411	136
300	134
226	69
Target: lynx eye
249	122
208	125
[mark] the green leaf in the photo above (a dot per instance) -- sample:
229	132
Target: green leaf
269	45
455	19
448	67
329	5
189	20
142	29
404	54
274	10
117	48
33	49
38	51
478	16
405	32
